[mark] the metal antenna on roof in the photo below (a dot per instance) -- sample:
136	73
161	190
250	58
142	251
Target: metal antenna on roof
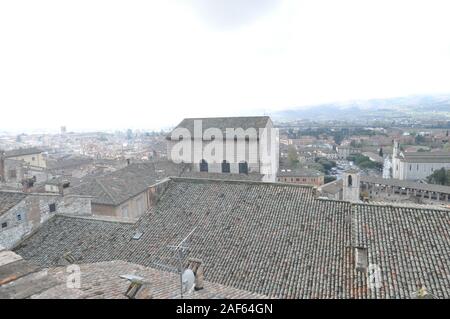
187	276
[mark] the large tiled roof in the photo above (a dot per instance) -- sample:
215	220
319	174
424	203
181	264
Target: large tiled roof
222	123
223	176
9	199
333	187
406	184
272	239
426	157
119	186
411	246
22	152
102	281
260	237
21	279
87	240
301	172
69	162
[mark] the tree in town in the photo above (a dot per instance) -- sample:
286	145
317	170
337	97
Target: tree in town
440	177
292	156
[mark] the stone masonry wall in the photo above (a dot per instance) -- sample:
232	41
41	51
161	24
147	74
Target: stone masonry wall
34	210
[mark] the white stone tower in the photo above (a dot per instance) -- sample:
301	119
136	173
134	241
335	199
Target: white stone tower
350	190
396	150
395	160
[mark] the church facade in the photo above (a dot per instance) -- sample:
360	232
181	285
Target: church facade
417	165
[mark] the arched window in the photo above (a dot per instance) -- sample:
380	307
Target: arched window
350	180
225	167
203	166
243	168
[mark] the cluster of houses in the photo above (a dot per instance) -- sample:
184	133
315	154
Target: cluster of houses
257	231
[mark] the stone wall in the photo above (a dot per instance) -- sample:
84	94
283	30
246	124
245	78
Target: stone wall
33	210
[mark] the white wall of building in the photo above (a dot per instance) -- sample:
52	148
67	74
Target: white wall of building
255	154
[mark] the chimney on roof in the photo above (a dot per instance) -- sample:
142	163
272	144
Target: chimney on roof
196	265
138	288
62	186
28	183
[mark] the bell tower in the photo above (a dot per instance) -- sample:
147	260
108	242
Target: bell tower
351	186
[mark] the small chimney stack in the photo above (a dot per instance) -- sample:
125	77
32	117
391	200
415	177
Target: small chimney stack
196	265
27	184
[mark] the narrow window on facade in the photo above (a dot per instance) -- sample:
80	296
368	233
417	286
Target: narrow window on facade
19	217
203	166
4	225
350	181
225	167
52	207
243	168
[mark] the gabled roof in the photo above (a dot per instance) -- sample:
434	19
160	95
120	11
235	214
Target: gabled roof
69	162
119	186
222	123
301	172
272	239
9	199
20	279
426	157
333	187
223	176
406	184
411	247
22	152
254	236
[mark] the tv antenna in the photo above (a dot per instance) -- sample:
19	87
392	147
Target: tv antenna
187	277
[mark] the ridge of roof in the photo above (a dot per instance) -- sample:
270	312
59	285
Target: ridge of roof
403	205
235	181
103	187
22	152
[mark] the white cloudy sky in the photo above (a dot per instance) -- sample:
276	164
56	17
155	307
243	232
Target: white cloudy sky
146	64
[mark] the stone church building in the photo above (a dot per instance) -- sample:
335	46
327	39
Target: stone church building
413	166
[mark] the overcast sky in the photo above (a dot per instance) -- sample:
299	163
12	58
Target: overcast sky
146	64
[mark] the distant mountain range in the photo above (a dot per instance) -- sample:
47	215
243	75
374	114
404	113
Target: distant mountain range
420	106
